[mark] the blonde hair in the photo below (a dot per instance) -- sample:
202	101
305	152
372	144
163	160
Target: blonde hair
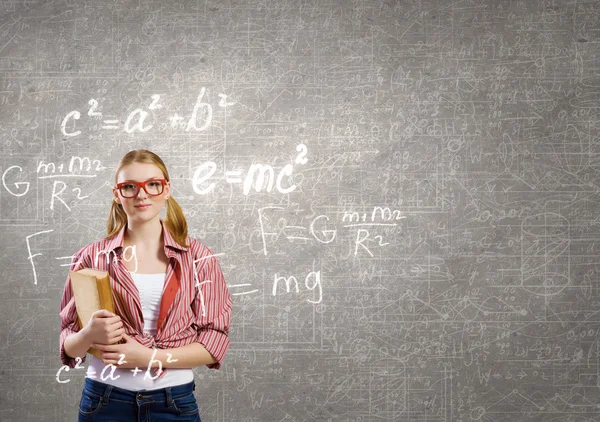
174	221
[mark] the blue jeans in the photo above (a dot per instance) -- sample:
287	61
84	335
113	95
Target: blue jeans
102	402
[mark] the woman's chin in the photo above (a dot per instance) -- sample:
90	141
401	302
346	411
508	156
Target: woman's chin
142	216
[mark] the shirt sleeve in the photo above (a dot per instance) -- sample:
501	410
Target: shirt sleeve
212	307
68	312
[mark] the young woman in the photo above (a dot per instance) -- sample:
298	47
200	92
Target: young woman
172	306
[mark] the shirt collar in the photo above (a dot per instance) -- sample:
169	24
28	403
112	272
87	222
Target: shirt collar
117	240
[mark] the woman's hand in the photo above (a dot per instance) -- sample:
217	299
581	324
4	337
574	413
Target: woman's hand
104	327
136	354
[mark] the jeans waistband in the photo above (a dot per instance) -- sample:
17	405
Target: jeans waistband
167	393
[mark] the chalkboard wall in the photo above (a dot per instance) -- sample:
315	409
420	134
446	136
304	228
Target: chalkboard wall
403	196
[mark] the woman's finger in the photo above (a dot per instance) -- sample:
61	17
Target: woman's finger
116	336
116	325
113	357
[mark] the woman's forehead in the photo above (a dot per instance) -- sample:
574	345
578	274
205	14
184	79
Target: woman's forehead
139	172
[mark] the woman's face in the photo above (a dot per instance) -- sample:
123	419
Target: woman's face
141	172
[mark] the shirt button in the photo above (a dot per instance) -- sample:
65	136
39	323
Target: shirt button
139	396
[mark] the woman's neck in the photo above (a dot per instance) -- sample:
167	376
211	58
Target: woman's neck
147	233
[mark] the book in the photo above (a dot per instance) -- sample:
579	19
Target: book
92	292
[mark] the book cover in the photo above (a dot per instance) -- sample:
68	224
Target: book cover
92	292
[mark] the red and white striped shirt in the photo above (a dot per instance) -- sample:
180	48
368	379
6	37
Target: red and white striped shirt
200	310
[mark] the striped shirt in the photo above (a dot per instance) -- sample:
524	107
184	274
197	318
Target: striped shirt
200	310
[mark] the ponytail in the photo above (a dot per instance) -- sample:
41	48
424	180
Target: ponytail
176	222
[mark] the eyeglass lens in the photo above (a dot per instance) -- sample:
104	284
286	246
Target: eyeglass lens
153	187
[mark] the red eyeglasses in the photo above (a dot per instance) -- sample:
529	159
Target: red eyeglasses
153	187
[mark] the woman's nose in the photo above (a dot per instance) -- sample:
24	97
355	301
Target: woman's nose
140	194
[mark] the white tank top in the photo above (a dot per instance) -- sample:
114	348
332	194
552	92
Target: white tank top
150	287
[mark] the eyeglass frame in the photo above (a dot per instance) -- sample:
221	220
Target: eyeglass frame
140	186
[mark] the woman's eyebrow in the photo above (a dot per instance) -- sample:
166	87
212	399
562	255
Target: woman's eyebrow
131	180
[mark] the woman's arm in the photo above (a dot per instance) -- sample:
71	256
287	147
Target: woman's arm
72	341
212	307
143	357
77	344
188	356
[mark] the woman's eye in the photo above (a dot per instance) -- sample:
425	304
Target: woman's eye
154	184
129	186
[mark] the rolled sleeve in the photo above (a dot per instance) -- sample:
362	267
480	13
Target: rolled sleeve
212	308
69	323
